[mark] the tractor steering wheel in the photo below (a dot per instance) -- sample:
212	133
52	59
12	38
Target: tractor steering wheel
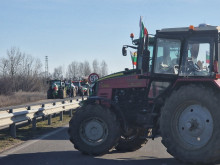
192	67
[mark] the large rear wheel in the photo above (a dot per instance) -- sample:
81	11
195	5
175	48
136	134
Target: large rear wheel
190	126
94	130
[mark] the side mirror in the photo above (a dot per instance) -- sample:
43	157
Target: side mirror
124	51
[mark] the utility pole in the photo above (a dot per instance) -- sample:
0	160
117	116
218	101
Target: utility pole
46	66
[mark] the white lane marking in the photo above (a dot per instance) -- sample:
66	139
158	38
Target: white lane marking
30	142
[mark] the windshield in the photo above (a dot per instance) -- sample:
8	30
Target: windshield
76	84
56	82
167	56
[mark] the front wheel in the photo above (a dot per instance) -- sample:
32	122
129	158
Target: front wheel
94	130
190	125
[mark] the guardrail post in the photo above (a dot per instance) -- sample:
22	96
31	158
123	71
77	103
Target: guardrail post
29	120
61	116
12	127
43	117
13	130
34	123
54	104
10	110
49	119
71	113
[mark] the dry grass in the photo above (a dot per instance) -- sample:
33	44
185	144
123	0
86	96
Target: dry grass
21	98
26	133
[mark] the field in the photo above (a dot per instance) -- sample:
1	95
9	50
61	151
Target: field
19	98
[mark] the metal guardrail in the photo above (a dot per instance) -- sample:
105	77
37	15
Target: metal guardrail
10	117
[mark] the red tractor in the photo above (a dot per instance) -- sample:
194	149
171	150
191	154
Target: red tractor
173	92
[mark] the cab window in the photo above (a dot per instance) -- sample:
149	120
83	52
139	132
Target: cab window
196	60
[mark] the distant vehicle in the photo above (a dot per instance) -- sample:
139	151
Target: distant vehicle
56	90
70	89
77	85
85	88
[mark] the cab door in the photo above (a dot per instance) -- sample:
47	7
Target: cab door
166	65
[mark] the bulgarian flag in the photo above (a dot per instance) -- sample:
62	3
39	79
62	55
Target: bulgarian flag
141	25
143	36
207	57
143	30
134	58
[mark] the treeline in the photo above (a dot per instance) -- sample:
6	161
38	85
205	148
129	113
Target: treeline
79	70
22	72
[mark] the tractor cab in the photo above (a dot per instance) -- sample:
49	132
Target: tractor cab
186	52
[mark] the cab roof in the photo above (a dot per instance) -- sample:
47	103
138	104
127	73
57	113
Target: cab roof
184	29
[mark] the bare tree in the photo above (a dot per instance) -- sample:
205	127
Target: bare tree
26	65
73	70
19	71
4	67
81	70
37	67
87	69
104	69
95	65
58	73
14	60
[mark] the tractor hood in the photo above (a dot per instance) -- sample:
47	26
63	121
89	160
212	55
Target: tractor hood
119	74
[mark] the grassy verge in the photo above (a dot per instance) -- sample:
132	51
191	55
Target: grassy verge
26	133
19	98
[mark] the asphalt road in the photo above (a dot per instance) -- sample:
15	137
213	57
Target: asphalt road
55	149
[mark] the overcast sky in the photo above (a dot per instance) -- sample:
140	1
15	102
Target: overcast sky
78	30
